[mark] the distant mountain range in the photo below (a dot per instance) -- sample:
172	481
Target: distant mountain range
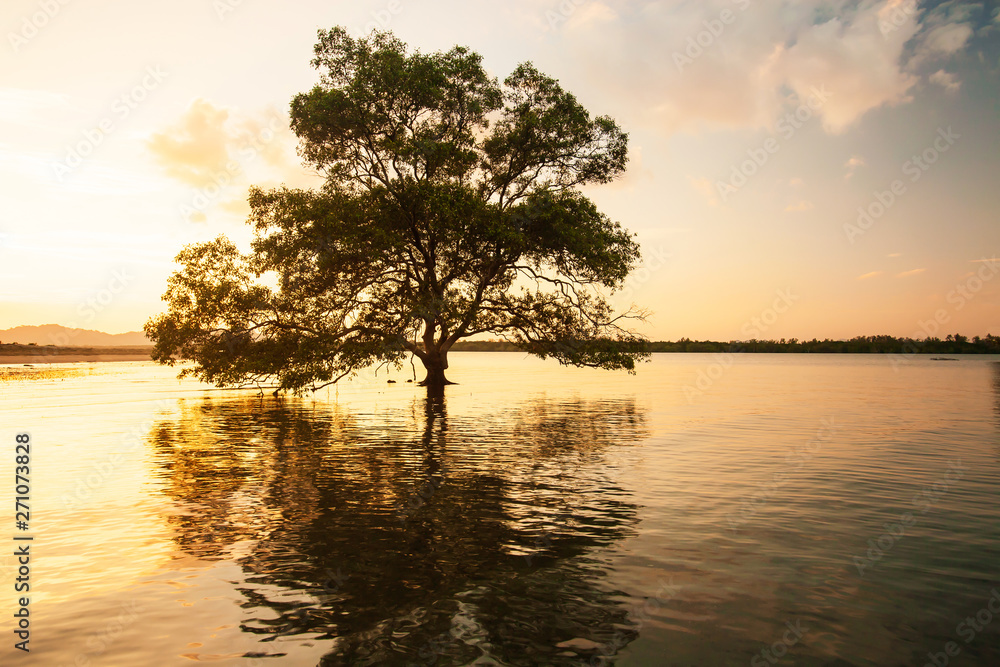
55	334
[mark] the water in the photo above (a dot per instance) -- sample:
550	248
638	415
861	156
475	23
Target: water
829	510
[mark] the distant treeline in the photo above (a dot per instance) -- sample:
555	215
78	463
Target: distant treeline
952	344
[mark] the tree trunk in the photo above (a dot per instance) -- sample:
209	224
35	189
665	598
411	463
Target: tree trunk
436	362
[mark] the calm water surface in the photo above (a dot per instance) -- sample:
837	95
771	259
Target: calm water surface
787	509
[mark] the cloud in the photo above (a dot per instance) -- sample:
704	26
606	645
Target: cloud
722	64
946	29
946	80
796	182
853	164
237	206
873	274
800	207
706	189
894	254
907	274
946	39
195	147
220	152
208	139
593	13
861	66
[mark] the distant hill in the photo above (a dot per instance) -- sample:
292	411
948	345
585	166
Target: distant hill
55	334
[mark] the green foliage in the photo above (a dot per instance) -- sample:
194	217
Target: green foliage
451	208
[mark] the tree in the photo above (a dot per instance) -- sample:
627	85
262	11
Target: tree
451	207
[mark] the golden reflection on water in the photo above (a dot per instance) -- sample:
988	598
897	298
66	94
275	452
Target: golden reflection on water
29	372
529	516
382	535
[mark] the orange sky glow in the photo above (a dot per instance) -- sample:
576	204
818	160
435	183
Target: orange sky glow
796	169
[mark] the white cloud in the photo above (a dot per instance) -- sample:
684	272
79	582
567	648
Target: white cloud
947	38
850	55
692	66
946	80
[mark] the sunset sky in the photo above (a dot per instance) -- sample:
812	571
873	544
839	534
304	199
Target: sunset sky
798	169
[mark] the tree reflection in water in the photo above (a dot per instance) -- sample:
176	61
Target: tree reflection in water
411	537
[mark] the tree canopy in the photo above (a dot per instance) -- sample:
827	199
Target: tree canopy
451	207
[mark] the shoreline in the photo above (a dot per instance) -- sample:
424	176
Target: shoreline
69	358
42	359
16	353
